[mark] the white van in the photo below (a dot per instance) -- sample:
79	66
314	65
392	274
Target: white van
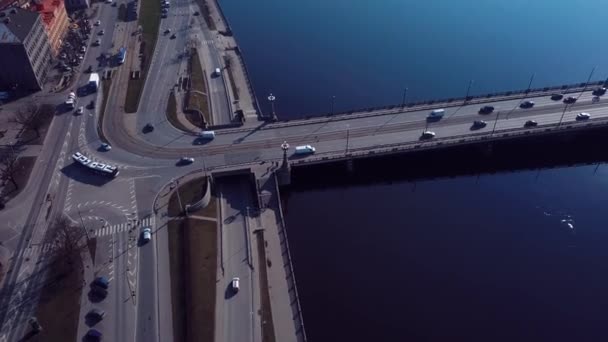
437	114
217	72
207	135
305	149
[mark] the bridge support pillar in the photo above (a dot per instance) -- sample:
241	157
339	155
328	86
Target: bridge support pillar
284	172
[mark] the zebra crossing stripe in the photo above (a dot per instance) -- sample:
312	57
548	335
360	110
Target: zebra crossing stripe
122	227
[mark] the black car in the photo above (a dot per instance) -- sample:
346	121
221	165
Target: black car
599	91
173	36
570	100
92	104
531	123
486	110
148	128
101	282
98	292
93	335
527	104
197	13
557	97
479	124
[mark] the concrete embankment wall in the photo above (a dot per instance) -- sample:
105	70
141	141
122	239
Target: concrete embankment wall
203	202
565	148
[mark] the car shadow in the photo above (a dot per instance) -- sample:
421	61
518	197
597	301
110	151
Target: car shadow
91	320
201	141
95	297
229	292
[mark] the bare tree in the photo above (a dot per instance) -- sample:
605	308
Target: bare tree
68	239
27	116
8	168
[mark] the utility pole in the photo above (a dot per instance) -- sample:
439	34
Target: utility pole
586	83
272	98
562	117
403	100
347	136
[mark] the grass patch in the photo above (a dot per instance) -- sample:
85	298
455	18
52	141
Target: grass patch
266	312
105	85
189	192
197	100
59	307
24	169
235	89
206	14
193	266
149	20
172	113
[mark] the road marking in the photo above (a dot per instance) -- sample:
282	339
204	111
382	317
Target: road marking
122	227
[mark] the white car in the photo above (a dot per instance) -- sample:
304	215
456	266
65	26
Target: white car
80	110
97	23
97	42
146	235
102	32
186	160
105	147
83	49
583	116
427	135
235	284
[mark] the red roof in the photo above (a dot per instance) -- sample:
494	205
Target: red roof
47	10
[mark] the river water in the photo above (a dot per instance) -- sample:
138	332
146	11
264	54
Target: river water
502	257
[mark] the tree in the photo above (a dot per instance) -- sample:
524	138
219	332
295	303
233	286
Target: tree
8	168
27	116
67	237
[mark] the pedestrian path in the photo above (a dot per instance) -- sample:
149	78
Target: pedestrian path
125	226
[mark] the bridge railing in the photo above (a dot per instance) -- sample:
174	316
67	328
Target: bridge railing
475	99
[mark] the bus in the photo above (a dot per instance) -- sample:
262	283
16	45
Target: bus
95	167
122	55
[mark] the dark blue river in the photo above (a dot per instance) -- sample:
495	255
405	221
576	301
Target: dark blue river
513	256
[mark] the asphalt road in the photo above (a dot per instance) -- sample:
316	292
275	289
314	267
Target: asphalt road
238	310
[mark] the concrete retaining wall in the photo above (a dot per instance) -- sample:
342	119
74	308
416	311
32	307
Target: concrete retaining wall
203	202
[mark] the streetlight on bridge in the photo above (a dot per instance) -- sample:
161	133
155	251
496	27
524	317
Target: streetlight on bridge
285	148
404	94
272	98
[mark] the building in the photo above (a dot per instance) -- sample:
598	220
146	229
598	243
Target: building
25	52
55	19
4	4
77	4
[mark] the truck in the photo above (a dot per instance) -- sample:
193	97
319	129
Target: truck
93	82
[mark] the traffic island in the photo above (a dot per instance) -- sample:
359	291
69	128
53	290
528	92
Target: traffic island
193	259
197	101
149	20
173	114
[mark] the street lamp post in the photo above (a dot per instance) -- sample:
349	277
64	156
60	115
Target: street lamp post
272	98
333	99
403	100
466	98
347	136
285	148
530	83
495	122
86	233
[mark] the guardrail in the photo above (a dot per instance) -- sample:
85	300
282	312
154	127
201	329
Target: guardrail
291	278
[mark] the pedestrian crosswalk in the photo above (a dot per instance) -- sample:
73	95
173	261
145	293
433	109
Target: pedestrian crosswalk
37	249
122	227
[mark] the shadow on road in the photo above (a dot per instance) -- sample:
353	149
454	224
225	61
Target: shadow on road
81	174
229	292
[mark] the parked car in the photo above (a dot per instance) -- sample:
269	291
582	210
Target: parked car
80	110
146	235
96	315
101	32
167	31
97	23
527	104
583	116
93	335
173	36
101	282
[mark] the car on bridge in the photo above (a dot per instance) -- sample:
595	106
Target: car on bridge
583	116
427	135
304	149
436	114
486	110
599	91
570	100
531	123
146	235
105	147
557	97
477	124
527	104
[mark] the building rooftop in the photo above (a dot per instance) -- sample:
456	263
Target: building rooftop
15	25
47	9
